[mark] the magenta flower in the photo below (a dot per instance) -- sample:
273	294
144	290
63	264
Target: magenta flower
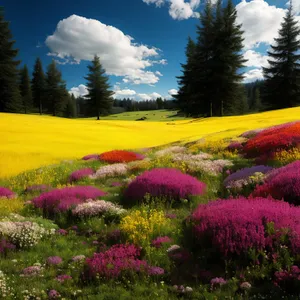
59	200
156	271
32	271
217	281
80	174
6	193
157	243
63	278
62	231
165	182
53	294
54	260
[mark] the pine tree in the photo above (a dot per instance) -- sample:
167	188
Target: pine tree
10	98
185	81
257	106
71	107
282	77
57	93
38	86
99	97
25	89
227	59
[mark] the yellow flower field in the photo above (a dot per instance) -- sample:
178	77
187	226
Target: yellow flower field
31	141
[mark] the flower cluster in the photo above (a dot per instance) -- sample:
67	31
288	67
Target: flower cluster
23	234
287	156
6	193
246	176
91	157
217	282
140	165
141	225
214	167
64	199
53	294
96	208
118	169
157	243
78	258
281	137
63	278
164	182
80	174
233	226
54	260
235	146
282	277
34	270
118	259
170	150
282	183
5	289
120	156
191	157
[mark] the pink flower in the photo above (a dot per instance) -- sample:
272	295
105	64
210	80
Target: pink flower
6	193
63	278
157	243
54	260
80	174
53	294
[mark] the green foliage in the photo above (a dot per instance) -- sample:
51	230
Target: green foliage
25	90
99	100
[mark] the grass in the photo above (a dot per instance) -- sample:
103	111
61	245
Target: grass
30	141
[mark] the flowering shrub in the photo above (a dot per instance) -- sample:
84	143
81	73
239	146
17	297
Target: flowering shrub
96	208
288	279
170	150
32	271
287	156
190	157
282	183
141	225
164	182
64	199
213	167
251	133
63	278
110	171
246	176
6	193
38	188
157	243
235	146
23	234
117	260
140	165
80	174
91	157
233	226
120	156
281	137
54	260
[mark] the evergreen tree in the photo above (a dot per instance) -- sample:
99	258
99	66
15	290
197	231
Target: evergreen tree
99	97
38	86
25	89
282	77
226	60
57	93
71	107
185	81
257	106
10	98
242	106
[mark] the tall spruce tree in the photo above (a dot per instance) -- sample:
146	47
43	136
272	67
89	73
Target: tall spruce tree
25	90
227	60
99	97
282	77
10	98
38	85
57	94
185	81
71	107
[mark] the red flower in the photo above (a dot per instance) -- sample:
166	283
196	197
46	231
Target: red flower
120	156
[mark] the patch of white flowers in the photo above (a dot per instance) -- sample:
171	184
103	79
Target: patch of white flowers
5	290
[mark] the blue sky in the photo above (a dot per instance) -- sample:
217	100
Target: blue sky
141	43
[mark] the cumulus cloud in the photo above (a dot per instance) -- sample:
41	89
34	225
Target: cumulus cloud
255	59
253	75
260	21
77	38
296	6
172	92
158	73
179	9
78	91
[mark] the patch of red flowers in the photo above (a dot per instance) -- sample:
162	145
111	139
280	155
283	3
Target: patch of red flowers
120	156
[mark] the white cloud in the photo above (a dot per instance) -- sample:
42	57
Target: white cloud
255	59
132	94
253	75
80	90
296	6
179	9
158	73
172	92
77	38
260	21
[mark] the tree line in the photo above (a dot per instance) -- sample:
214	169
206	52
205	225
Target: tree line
211	80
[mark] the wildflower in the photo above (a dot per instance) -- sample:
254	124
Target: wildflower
217	281
173	248
32	271
62	231
78	258
54	260
245	285
155	271
157	243
120	156
80	174
110	171
6	193
63	278
53	294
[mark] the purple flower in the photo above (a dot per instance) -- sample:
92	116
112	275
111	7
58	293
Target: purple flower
5	246
53	294
155	271
157	243
6	193
218	281
54	260
80	174
235	146
63	278
62	231
32	271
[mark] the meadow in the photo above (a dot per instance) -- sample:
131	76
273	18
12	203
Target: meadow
186	209
32	141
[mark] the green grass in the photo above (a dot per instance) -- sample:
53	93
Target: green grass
151	115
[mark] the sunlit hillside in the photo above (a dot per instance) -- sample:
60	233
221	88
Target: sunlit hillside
29	141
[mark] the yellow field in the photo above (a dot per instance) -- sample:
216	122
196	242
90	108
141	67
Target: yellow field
30	141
